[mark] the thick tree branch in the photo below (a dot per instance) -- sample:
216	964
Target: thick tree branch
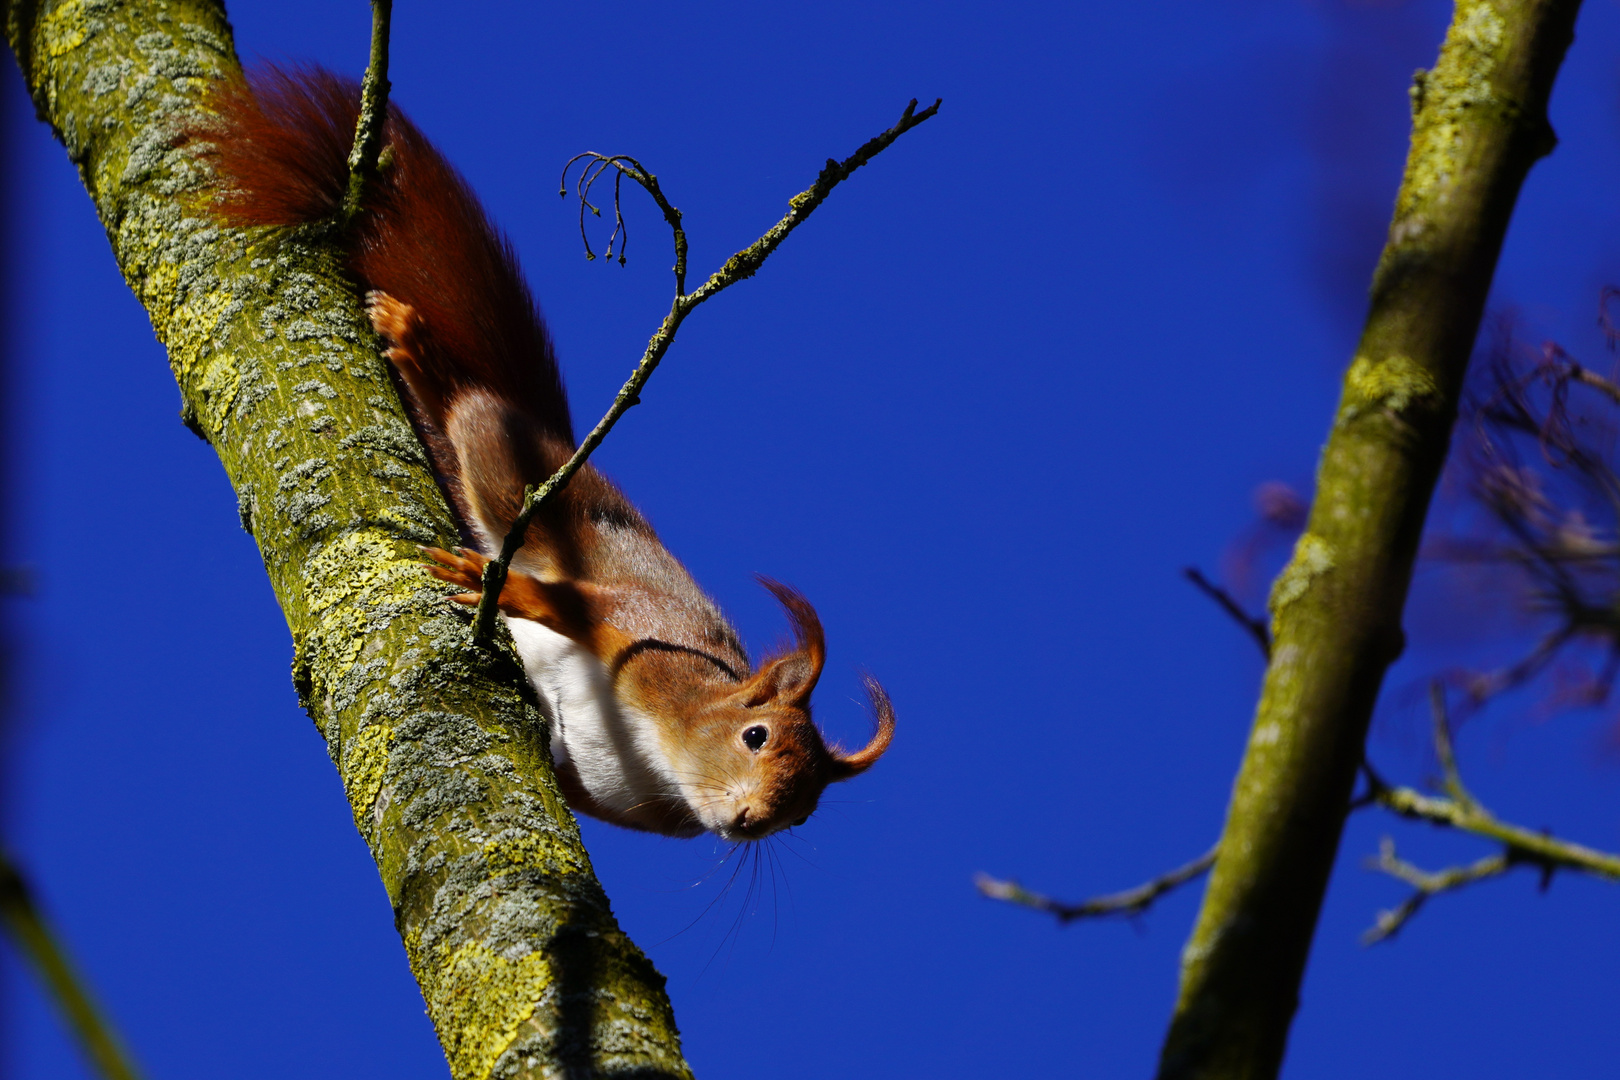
1479	123
1129	902
35	941
440	745
737	268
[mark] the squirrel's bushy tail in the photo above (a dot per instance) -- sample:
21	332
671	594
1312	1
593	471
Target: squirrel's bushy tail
281	144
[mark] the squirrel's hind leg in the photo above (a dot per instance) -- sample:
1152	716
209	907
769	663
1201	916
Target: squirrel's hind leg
575	609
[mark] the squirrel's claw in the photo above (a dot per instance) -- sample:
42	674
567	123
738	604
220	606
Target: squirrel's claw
461	567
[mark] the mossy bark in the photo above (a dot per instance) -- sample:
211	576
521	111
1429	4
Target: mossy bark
1479	123
440	746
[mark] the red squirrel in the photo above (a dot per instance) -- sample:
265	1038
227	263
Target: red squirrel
658	719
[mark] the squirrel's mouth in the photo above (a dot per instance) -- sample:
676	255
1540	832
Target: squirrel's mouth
743	823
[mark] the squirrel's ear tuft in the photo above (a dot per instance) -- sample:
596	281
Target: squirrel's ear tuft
848	765
788	679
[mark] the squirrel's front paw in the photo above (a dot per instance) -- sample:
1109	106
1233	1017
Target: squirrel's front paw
459	567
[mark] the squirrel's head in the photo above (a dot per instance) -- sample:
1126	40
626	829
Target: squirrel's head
752	761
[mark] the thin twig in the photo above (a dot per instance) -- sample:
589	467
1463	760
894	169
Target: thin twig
1449	776
737	268
1424	885
1254	626
1459	809
625	165
1129	902
35	940
368	130
1534	846
1582	374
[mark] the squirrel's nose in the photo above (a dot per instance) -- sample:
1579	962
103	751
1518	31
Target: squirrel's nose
741	822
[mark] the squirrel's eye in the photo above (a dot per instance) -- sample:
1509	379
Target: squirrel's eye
755	737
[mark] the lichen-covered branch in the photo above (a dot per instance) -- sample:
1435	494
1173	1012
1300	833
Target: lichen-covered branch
1479	123
1129	902
440	744
34	939
737	268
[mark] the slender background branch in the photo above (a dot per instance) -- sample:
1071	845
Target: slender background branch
1424	885
1130	902
1459	809
36	941
1479	123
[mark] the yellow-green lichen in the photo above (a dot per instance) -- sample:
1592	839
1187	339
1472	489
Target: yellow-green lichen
343	583
1460	85
365	760
1394	384
64	29
1481	27
218	385
1313	557
480	1000
156	292
522	849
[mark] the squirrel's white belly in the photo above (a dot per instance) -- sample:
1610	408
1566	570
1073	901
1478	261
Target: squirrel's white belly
613	748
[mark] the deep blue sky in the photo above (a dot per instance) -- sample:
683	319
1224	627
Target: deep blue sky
982	409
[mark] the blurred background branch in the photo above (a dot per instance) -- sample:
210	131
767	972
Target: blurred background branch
1130	902
1337	608
1459	809
37	942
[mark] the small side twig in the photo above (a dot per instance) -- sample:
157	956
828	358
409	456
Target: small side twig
368	130
1459	809
1582	374
1128	903
1450	778
1253	625
1424	885
739	267
34	940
